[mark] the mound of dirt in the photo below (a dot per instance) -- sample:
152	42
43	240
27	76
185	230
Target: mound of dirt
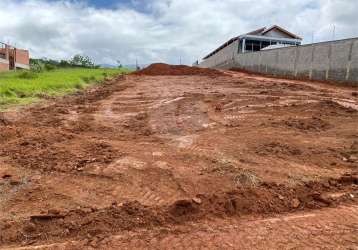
158	69
97	223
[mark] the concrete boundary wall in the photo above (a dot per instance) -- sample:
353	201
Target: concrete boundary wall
223	58
22	66
331	61
5	61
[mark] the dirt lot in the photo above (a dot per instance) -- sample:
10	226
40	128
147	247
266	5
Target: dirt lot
175	158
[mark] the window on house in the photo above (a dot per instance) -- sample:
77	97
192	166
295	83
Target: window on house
255	45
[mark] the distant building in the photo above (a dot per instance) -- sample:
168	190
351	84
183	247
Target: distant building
259	39
13	58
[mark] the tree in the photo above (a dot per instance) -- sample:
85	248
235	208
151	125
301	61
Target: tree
83	61
64	64
119	64
36	65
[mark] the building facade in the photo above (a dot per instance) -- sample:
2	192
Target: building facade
257	40
12	58
272	51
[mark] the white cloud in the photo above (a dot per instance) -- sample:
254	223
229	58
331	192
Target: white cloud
169	30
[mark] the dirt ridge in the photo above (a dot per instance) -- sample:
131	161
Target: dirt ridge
91	222
160	69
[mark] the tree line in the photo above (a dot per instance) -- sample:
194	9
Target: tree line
80	61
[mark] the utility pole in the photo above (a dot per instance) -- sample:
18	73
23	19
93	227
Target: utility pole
312	36
334	33
136	64
180	60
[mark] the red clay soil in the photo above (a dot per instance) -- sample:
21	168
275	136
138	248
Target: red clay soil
142	157
89	222
160	69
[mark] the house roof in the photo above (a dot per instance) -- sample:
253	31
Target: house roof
256	32
259	32
282	30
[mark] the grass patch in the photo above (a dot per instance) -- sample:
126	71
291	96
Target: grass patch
24	87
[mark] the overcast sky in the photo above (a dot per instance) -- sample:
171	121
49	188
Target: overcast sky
162	30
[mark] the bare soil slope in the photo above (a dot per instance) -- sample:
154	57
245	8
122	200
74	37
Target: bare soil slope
163	159
161	69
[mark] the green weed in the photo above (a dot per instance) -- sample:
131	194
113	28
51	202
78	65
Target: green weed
23	87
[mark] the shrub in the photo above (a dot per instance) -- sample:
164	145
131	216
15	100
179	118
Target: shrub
64	64
50	67
9	93
87	79
79	86
28	75
36	65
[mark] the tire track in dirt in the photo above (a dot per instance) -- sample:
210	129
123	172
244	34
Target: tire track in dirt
330	228
146	196
334	228
163	193
209	135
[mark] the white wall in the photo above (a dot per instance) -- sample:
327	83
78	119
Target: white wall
335	61
223	58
